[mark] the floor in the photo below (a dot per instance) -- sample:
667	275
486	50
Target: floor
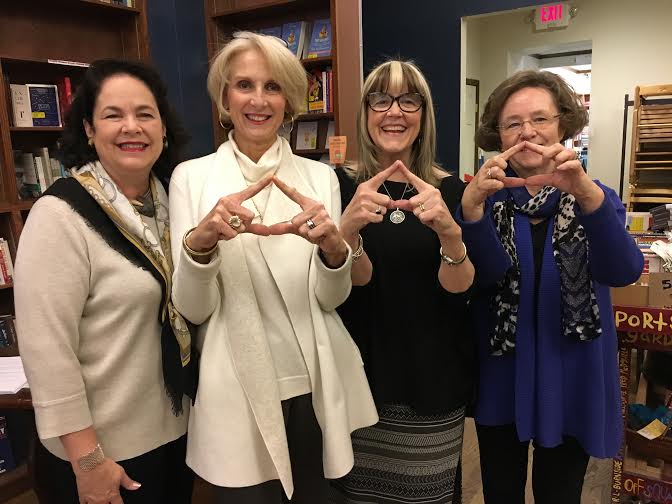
596	489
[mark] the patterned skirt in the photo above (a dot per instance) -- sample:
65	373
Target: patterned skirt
404	458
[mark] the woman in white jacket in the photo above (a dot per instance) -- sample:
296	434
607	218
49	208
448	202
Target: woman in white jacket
261	268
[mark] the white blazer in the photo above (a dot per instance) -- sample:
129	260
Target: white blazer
236	428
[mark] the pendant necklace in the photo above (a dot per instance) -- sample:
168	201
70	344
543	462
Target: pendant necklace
398	216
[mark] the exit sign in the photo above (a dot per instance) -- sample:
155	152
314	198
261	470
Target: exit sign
553	15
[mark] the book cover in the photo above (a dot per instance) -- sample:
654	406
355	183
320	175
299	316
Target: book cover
315	92
21	105
306	135
273	31
6	456
43	154
294	34
44	104
320	40
26	177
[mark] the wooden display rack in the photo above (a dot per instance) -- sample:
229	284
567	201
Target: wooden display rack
651	149
640	328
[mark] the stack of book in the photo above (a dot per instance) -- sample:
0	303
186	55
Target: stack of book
303	42
662	217
34	105
36	171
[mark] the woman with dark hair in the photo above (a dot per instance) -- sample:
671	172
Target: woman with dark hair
547	242
106	354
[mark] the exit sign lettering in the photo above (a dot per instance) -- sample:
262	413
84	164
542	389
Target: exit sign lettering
553	15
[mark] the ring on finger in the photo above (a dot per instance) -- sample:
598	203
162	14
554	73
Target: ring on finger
488	173
422	207
311	224
378	210
235	222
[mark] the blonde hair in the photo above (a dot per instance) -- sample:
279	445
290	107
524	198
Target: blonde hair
396	74
285	68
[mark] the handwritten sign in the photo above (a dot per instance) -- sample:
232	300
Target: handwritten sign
658	491
643	320
337	147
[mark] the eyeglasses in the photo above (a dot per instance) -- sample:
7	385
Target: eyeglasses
245	35
382	102
538	123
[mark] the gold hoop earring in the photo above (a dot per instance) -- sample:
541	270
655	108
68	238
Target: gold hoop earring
291	127
165	142
90	142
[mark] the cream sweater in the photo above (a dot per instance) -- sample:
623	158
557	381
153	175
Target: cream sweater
89	337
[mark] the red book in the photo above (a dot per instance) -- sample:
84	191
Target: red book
64	94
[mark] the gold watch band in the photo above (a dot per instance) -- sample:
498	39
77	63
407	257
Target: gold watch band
92	459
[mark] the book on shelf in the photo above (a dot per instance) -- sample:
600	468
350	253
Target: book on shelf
7	257
315	97
12	375
320	40
273	31
64	86
36	171
44	104
7	462
21	105
294	35
306	135
330	132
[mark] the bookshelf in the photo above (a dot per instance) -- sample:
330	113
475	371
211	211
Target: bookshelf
224	17
42	41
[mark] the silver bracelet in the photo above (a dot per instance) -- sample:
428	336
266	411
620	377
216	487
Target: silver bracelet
453	262
360	250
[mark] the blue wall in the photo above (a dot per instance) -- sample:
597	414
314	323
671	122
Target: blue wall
179	51
428	32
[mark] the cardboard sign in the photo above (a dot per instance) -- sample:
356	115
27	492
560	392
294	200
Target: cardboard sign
660	290
337	147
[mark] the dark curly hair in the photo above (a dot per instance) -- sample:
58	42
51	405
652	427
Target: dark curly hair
73	147
573	115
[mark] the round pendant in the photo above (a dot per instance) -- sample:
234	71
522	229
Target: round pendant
397	217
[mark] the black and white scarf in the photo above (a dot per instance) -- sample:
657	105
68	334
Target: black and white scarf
580	311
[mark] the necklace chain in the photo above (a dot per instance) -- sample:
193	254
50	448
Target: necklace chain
397	217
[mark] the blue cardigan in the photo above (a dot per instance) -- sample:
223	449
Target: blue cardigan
551	385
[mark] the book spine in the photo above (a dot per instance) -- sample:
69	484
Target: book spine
5	338
21	106
3	268
8	258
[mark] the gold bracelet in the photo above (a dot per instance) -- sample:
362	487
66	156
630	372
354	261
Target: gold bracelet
192	252
453	262
360	250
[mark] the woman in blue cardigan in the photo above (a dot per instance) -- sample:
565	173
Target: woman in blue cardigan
547	242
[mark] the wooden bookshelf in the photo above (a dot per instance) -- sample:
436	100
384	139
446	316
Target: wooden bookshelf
42	41
224	17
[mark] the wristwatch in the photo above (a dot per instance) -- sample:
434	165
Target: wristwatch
92	459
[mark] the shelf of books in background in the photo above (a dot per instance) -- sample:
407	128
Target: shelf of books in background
311	42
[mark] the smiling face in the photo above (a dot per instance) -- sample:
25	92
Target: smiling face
255	101
528	104
394	131
127	129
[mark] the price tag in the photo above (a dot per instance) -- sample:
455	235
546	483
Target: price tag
337	147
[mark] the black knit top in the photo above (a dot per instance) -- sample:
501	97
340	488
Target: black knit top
414	336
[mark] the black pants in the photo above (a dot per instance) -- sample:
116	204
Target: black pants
305	453
557	473
163	473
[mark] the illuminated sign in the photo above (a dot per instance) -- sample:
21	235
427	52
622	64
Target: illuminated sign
555	15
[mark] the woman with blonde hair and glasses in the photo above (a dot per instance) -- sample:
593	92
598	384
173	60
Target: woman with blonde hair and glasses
261	266
547	242
408	311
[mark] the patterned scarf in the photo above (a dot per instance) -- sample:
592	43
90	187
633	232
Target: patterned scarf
128	221
580	312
